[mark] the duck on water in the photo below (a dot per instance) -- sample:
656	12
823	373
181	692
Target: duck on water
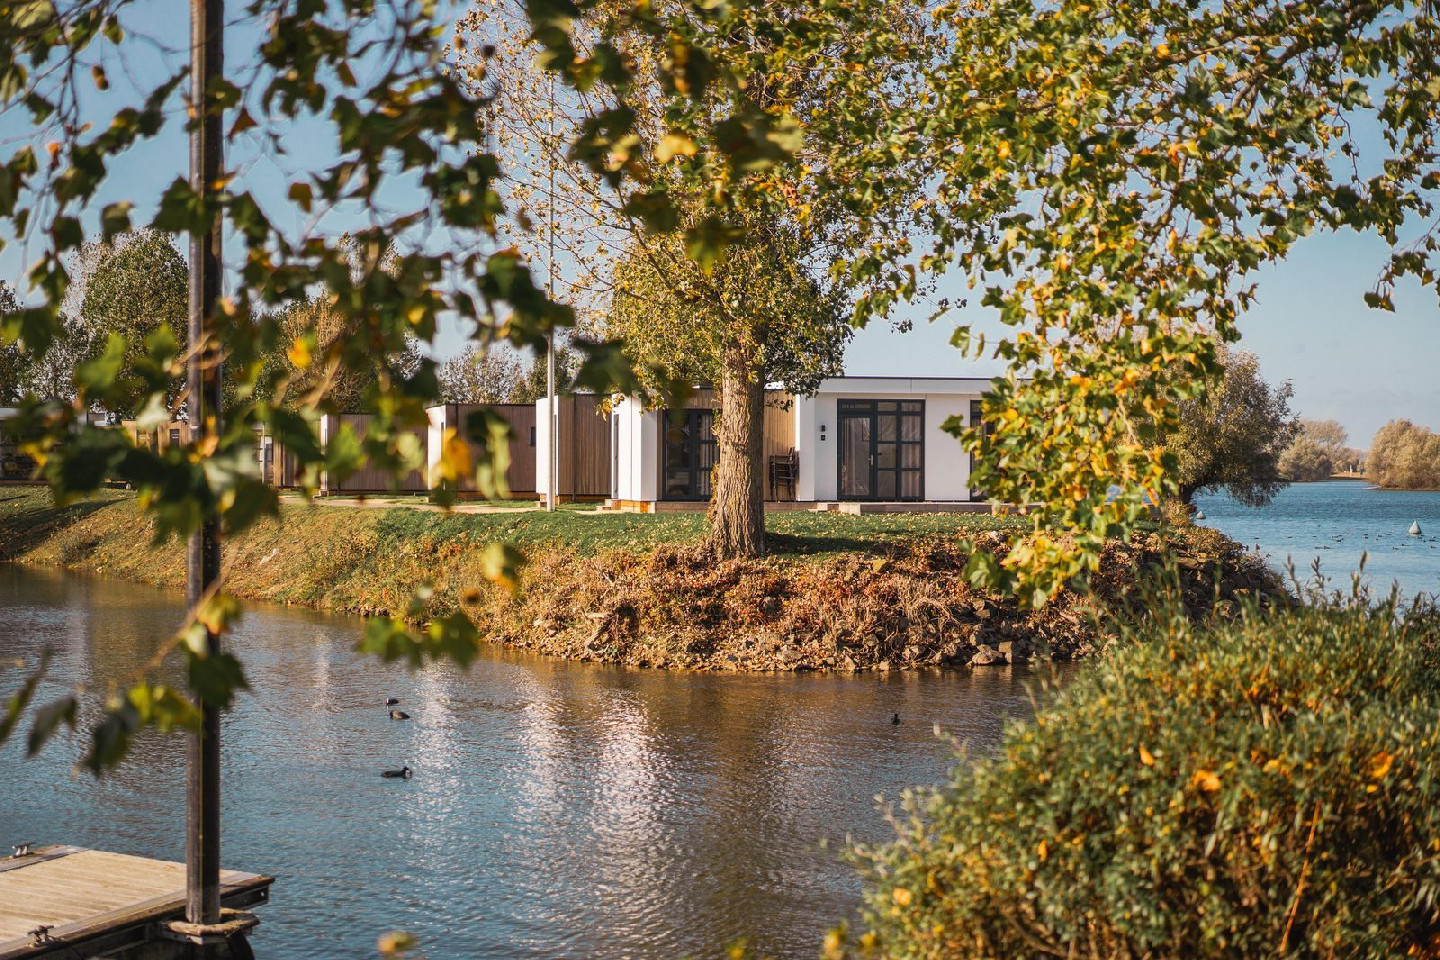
404	773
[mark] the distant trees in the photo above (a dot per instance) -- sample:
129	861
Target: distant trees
500	375
1318	452
134	286
130	287
479	375
310	330
12	359
1233	435
1404	456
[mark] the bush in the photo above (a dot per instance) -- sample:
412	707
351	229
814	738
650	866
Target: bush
1263	787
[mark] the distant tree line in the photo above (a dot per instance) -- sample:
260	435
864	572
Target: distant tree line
136	287
1319	452
1404	456
499	374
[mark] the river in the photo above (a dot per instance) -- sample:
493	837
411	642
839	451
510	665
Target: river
1337	522
557	809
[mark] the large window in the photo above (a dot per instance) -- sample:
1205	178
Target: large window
882	449
689	452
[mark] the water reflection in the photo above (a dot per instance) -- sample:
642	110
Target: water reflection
557	810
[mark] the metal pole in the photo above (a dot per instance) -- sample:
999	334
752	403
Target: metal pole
202	784
551	402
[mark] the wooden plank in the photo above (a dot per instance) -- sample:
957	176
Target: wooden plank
585	449
372	480
520	477
93	899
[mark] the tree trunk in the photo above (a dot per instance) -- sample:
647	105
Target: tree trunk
737	506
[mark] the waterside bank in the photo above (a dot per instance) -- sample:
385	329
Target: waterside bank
841	593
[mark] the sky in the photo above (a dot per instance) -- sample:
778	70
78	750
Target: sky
1310	327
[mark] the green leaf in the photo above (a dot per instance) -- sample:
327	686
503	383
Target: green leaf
388	639
47	719
215	679
20	699
707	240
454	637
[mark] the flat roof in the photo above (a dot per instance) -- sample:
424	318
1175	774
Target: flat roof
905	384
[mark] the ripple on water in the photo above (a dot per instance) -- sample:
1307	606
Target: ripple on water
557	810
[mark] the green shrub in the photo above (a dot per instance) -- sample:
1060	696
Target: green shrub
1266	787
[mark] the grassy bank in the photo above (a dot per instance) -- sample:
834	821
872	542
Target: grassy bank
839	591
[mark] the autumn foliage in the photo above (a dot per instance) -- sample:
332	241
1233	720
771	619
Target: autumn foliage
1262	787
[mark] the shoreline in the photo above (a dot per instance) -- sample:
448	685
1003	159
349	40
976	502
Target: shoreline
846	596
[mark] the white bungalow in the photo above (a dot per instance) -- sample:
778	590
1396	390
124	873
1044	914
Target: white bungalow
878	441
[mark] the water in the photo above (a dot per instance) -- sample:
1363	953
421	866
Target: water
1336	522
558	810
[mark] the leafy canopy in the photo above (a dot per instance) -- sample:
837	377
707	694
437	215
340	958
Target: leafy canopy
1234	434
1109	175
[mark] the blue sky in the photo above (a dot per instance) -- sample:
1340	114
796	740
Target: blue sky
1311	327
1346	361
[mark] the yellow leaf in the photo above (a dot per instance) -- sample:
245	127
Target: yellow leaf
456	455
1043	851
1146	757
674	144
1205	780
299	354
1002	149
1381	765
902	896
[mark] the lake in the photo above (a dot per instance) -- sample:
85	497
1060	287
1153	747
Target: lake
1337	522
557	809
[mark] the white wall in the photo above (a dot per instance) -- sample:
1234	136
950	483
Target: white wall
435	437
947	464
637	437
543	415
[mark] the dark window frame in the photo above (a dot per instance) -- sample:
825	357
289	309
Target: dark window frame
701	433
901	409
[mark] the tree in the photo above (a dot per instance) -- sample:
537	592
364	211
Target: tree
48	376
311	332
533	380
1318	451
798	61
759	316
1404	456
1306	461
481	376
14	372
133	286
1110	176
1328	435
1232	436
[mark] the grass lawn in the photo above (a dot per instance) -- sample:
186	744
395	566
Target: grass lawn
27	516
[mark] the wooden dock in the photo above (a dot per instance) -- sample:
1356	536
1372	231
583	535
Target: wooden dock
66	901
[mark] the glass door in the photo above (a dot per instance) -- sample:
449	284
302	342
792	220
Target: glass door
690	451
882	449
856	453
